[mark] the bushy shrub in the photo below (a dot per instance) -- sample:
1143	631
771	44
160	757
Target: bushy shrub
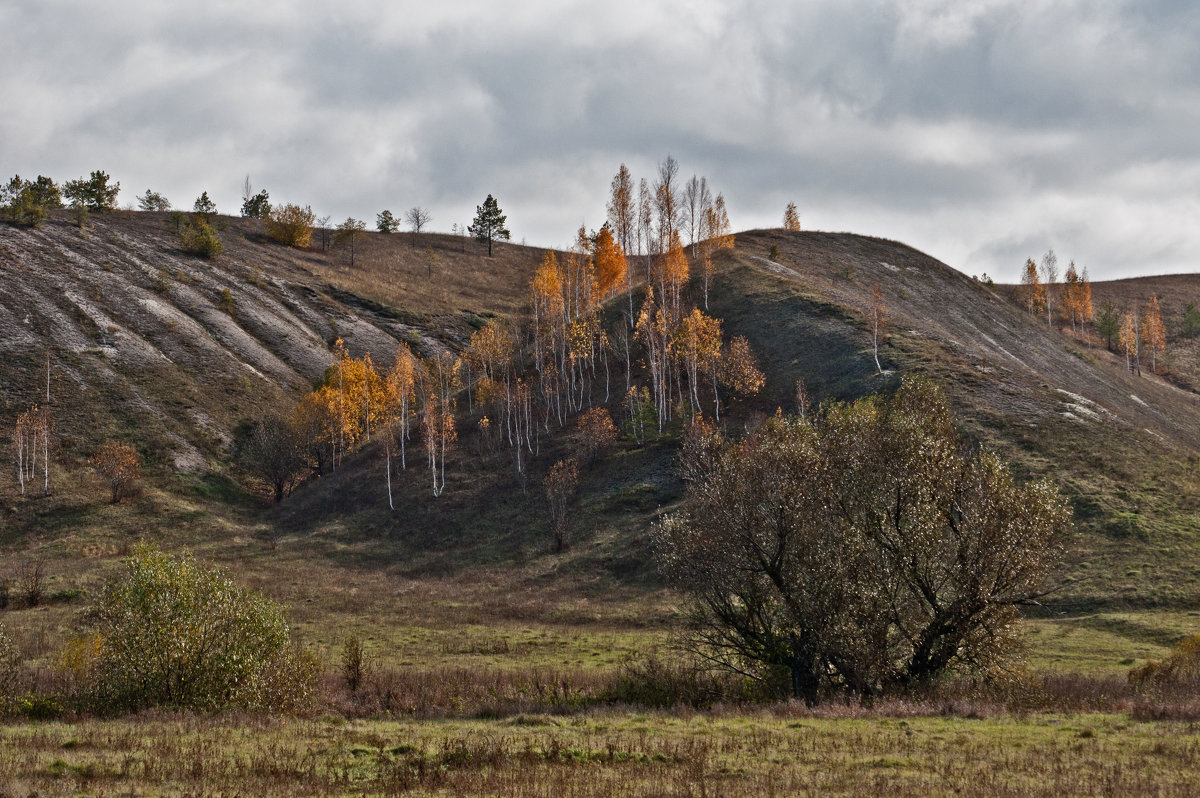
120	465
291	225
198	237
170	631
1180	667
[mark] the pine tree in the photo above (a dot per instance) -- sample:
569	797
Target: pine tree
257	206
489	224
204	207
153	201
386	223
93	193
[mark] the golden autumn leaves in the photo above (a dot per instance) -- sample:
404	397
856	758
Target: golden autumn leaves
516	379
1139	330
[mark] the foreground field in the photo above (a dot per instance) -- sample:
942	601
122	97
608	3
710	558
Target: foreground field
785	751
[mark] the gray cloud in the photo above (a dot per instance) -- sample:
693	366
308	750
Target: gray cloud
981	131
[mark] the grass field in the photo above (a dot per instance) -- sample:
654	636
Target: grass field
783	751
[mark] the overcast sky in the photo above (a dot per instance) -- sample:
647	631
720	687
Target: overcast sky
980	131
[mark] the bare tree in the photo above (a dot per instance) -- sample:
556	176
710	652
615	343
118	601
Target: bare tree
696	200
561	484
1049	270
417	218
271	449
666	202
322	227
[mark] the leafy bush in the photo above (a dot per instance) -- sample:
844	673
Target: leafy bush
291	225
170	631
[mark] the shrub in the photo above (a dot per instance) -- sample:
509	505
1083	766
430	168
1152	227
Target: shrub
120	465
1181	667
33	582
198	237
596	434
354	663
291	225
10	664
172	632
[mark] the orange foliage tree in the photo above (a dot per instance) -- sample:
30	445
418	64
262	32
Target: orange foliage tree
120	465
611	267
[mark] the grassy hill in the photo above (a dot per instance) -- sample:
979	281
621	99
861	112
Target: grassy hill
145	347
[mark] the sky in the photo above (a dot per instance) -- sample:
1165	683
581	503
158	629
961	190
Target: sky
982	132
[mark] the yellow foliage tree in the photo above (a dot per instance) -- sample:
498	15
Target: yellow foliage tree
740	368
1031	292
791	218
1154	334
1130	340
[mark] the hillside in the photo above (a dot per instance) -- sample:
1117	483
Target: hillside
143	342
144	348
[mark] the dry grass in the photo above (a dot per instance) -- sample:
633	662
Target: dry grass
788	752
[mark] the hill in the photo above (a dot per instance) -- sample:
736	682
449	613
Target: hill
145	347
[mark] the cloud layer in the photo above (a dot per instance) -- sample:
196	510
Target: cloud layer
981	131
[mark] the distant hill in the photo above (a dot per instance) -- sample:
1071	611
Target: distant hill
144	347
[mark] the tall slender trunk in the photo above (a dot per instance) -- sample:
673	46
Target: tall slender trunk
387	447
